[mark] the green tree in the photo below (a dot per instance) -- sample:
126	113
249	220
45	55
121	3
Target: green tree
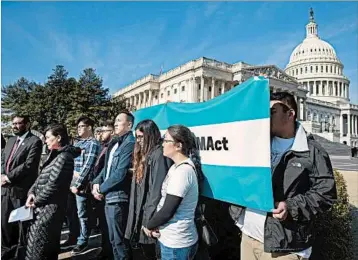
62	99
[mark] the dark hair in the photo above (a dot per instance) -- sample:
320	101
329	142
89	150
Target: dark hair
59	130
3	142
130	116
86	120
151	138
108	123
182	134
26	118
286	98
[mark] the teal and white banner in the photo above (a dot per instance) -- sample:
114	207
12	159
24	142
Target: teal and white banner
233	131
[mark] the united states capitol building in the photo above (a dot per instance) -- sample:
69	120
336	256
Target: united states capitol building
314	75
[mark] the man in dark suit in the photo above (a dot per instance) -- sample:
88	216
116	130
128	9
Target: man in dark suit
19	170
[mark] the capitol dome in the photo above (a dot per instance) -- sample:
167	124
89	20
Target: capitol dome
313	48
315	64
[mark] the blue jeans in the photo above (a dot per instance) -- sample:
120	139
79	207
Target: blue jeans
84	209
186	253
116	215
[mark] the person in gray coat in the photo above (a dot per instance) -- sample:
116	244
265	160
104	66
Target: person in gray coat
149	170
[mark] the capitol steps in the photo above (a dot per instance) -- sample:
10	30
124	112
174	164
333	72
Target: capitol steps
333	148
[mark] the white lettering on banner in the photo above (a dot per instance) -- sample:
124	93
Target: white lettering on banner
234	144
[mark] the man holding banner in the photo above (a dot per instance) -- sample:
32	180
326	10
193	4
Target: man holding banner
303	187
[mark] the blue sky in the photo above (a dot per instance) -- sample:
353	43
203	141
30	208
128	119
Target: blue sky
124	41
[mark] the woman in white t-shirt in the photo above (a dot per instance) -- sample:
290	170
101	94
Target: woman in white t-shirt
174	224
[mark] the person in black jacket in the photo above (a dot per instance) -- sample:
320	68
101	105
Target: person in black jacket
47	196
19	168
105	133
149	170
303	187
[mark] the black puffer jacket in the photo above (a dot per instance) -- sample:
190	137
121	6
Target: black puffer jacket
50	189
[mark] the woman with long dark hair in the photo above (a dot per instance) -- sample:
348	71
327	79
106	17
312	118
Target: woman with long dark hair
149	170
177	233
48	196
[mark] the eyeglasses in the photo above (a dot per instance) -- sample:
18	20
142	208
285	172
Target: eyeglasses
139	137
168	141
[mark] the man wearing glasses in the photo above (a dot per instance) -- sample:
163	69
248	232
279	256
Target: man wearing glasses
106	134
114	181
303	187
84	167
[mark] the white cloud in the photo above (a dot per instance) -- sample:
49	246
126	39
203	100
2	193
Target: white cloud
62	45
211	8
339	27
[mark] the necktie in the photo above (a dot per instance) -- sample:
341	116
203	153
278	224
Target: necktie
14	148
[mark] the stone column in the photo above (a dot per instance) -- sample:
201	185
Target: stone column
304	107
202	82
135	101
222	87
194	86
341	125
314	88
302	110
140	100
212	88
145	101
348	124
355	124
150	101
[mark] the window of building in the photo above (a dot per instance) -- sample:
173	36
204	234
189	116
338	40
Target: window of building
156	97
199	86
321	68
161	95
317	89
327	69
301	70
316	69
306	69
168	93
175	91
331	69
311	69
335	69
296	71
293	72
182	88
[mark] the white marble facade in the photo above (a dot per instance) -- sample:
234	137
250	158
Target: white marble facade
314	75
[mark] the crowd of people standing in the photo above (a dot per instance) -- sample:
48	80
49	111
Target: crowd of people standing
143	190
